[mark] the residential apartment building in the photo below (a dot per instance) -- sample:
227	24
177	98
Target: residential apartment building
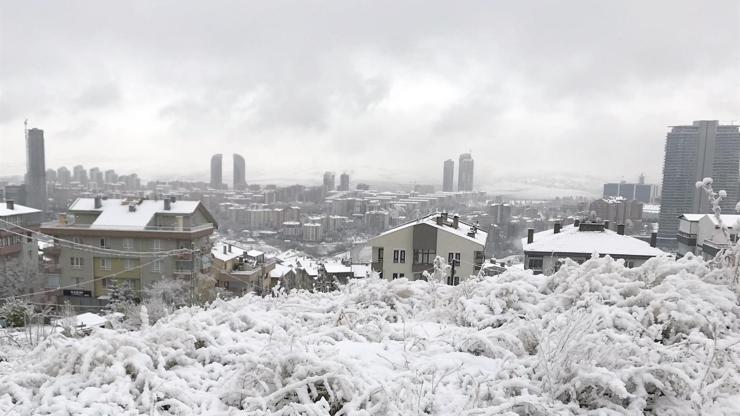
35	170
448	173
617	210
19	259
545	251
692	153
465	173
217	171
703	235
240	175
410	249
102	242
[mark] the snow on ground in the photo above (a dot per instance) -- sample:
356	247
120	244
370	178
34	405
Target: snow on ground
663	338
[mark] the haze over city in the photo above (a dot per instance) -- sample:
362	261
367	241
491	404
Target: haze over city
384	90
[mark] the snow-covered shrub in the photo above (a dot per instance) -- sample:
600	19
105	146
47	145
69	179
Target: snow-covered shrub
597	338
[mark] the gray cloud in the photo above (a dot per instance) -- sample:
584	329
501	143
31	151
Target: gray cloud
384	88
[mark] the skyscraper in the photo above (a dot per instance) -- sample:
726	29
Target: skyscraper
703	149
344	182
79	174
64	176
35	169
329	181
448	176
240	175
216	172
465	173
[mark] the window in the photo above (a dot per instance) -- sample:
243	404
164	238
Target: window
103	243
403	256
424	256
156	266
76	262
401	275
455	257
129	264
77	240
535	263
156	245
128	243
395	256
395	276
106	264
380	254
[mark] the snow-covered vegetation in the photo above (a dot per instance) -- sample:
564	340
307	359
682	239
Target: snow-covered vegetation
663	338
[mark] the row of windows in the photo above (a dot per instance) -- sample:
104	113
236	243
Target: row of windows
107	264
126	243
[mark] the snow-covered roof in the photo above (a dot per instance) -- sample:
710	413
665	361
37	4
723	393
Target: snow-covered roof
335	267
280	271
17	210
115	213
728	220
360	270
254	253
218	251
462	229
692	217
571	240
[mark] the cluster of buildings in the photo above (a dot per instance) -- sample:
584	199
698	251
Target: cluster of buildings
107	229
464	175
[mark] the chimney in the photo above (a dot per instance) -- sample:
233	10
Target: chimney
229	248
455	221
10	204
577	223
606	225
557	228
439	220
173	199
131	207
167	204
98	202
530	236
444	217
653	239
620	229
225	248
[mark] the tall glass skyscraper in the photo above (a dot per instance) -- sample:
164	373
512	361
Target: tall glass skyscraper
692	153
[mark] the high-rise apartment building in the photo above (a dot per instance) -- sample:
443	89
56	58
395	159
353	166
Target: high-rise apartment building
79	174
329	182
240	175
216	171
344	182
64	176
703	149
35	170
465	173
448	174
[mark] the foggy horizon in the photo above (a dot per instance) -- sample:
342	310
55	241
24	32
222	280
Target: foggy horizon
381	90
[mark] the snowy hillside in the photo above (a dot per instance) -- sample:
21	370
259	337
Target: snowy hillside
662	338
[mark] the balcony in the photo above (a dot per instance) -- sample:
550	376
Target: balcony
52	251
52	268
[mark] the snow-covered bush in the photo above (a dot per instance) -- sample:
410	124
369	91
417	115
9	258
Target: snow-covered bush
662	338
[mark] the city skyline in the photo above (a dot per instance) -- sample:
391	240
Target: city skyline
609	91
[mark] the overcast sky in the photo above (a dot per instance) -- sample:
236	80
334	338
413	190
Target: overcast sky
381	89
